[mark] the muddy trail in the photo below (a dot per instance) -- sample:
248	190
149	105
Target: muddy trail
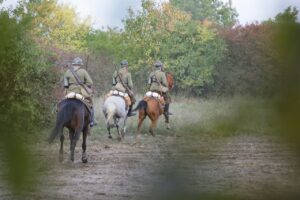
166	167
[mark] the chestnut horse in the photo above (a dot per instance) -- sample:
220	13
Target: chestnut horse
74	115
152	108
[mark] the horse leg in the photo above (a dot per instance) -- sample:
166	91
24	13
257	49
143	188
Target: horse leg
142	116
109	134
71	136
167	119
152	126
84	136
119	132
75	137
122	123
61	151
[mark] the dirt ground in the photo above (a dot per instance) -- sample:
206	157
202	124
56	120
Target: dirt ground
167	167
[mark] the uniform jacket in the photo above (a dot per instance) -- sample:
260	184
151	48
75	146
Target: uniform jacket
83	76
158	81
126	79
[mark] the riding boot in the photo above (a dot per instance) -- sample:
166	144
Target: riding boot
130	113
166	109
93	121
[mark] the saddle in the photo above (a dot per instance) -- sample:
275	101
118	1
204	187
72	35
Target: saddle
124	95
87	101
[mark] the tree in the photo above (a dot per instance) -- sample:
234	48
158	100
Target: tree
289	15
211	10
56	24
254	63
249	65
25	86
187	48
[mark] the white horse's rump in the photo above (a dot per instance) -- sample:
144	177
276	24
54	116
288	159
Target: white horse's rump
114	110
110	113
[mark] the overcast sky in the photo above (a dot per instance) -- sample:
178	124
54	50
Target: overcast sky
111	12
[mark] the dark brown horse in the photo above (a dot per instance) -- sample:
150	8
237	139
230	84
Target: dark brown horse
153	108
74	115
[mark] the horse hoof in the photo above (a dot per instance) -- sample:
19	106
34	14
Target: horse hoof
110	137
72	159
61	158
119	139
152	133
123	134
84	157
168	126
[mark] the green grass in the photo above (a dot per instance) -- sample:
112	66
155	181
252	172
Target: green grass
215	116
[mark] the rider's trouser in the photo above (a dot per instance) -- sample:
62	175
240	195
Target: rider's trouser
131	105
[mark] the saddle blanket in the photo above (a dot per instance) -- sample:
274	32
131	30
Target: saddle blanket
118	93
73	95
155	95
121	94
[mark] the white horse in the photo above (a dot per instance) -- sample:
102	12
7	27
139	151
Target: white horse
114	110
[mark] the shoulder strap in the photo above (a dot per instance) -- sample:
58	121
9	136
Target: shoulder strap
78	79
75	76
124	85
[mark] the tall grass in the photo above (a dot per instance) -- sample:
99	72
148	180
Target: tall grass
217	116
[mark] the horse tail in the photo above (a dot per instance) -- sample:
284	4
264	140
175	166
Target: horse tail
110	112
141	105
63	116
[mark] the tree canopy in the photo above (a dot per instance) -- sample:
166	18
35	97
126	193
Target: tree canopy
188	48
212	10
56	24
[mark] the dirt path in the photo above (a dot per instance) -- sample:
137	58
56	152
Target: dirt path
251	167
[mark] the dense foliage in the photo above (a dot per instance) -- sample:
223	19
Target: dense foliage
249	67
205	59
56	24
210	10
253	64
23	74
188	48
24	99
31	46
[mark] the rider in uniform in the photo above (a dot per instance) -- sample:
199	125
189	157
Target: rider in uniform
71	84
158	83
125	85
